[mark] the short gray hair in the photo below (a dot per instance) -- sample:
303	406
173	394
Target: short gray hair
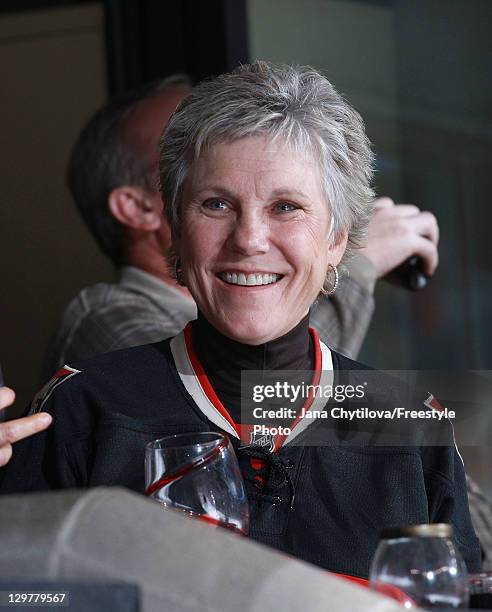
294	104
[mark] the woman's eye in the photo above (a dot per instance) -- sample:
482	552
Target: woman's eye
215	205
286	207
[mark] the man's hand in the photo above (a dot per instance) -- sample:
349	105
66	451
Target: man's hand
15	430
398	231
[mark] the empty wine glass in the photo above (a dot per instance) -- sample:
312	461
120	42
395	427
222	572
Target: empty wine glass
198	474
422	564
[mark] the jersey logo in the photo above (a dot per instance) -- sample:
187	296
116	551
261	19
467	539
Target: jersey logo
264	440
45	392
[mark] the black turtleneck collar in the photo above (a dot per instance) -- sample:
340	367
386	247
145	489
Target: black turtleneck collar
223	358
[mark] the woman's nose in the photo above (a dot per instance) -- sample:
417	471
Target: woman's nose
250	234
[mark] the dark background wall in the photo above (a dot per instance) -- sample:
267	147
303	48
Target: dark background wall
52	62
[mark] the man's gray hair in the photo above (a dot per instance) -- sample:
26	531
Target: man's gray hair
292	104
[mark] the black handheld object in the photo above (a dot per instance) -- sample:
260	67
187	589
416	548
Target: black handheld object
410	274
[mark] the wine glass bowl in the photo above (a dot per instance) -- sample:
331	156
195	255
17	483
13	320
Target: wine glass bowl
422	563
198	474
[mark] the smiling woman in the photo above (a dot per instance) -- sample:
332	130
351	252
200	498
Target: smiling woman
272	178
253	248
265	175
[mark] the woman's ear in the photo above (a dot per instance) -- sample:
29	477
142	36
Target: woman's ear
337	247
135	207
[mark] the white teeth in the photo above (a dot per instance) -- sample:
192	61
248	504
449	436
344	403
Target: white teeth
251	279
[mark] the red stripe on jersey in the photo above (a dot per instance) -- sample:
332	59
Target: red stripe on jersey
384	589
46	390
241	430
279	440
203	378
432	402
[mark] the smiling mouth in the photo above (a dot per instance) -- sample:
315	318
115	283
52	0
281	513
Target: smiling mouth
249	280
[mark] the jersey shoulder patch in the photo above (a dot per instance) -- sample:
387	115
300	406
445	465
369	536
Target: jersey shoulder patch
433	402
45	392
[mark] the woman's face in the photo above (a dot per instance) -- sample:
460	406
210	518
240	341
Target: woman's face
255	238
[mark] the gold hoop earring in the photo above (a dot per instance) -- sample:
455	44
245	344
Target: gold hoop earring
330	285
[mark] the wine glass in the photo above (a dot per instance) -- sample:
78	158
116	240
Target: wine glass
420	566
198	474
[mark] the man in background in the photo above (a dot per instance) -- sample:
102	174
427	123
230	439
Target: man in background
112	175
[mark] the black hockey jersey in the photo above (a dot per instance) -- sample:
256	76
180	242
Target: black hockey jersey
325	505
